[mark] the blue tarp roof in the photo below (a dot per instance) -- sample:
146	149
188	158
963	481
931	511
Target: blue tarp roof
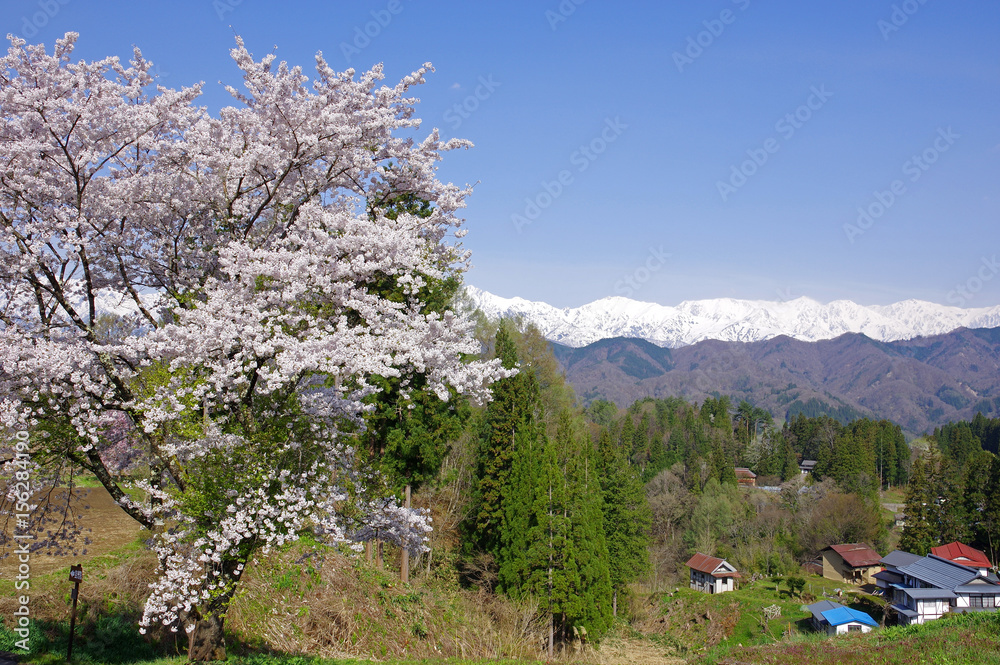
842	615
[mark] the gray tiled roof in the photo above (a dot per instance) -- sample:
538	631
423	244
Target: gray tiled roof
900	558
939	572
817	609
924	594
889	576
985	589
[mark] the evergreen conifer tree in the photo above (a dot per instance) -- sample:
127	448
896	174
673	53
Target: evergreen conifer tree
566	561
918	534
511	419
627	517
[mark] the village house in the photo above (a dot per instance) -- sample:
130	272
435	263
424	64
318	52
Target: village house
890	574
926	588
961	553
746	477
806	466
835	619
711	574
854	563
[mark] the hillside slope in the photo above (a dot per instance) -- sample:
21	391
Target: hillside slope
920	383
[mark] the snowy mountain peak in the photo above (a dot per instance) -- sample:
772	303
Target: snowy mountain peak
733	320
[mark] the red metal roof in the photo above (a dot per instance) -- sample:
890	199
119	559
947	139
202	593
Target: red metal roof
742	472
963	554
709	564
857	555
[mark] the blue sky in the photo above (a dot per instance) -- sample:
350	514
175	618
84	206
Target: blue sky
715	149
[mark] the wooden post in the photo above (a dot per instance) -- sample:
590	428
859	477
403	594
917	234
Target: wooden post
75	576
404	572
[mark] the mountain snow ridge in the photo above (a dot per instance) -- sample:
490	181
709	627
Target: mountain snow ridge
733	320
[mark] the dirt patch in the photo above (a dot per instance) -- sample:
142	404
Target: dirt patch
618	651
104	528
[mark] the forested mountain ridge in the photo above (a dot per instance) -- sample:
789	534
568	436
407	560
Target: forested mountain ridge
920	383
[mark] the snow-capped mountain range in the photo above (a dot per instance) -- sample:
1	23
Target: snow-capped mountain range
733	320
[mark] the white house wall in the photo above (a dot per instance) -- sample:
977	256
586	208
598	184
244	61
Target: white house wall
844	628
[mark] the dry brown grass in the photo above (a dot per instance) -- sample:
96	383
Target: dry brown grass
314	600
619	651
324	603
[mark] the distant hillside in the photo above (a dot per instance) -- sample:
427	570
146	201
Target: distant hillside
919	383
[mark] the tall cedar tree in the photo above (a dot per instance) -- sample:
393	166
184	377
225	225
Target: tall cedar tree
627	516
512	416
518	503
918	534
566	563
991	511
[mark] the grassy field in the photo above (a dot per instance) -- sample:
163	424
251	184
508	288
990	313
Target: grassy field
696	624
312	605
972	639
306	604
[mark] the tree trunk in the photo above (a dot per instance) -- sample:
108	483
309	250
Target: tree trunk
207	641
614	603
404	569
552	634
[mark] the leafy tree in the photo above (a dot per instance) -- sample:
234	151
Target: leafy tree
602	412
840	517
795	586
276	271
712	516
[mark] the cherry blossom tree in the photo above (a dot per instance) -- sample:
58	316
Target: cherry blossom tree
261	292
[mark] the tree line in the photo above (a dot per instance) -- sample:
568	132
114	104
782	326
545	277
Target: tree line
954	489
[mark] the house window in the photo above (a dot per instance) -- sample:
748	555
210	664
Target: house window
976	601
853	628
